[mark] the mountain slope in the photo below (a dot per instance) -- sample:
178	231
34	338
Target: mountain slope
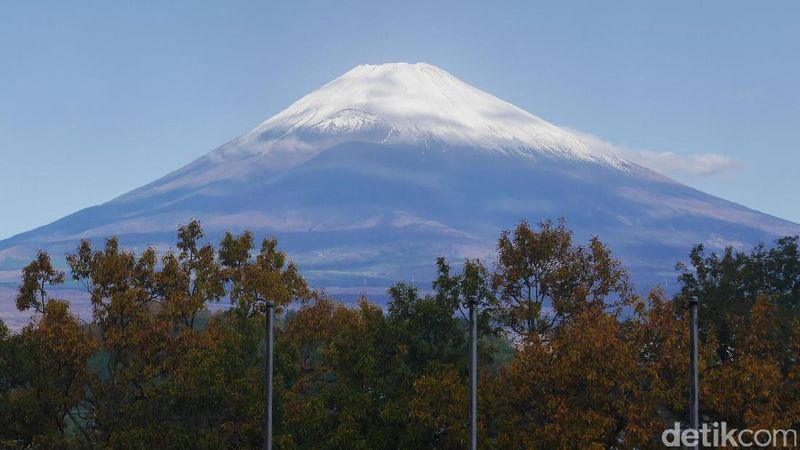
366	180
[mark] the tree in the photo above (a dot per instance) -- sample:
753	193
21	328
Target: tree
573	390
749	319
135	342
730	283
562	364
542	278
65	350
269	277
190	280
146	314
36	278
472	284
43	374
748	389
153	369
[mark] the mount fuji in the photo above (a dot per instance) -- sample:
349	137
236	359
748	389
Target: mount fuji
369	178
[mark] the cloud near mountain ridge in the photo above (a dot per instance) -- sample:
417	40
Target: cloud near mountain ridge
670	163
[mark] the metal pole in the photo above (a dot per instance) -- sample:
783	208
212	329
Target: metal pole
473	376
694	406
268	377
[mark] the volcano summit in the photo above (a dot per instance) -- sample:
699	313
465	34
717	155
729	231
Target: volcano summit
369	178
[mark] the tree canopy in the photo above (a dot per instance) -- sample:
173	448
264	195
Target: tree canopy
569	355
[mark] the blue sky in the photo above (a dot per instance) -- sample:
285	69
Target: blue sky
99	98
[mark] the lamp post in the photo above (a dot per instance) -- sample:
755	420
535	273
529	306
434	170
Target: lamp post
694	400
269	313
473	375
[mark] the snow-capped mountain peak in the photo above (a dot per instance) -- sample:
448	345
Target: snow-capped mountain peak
406	103
460	166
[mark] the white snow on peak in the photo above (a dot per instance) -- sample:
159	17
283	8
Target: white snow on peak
401	102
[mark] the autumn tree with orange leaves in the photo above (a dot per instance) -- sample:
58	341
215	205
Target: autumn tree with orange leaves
569	355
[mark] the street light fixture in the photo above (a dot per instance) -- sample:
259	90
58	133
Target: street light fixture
269	313
473	374
694	400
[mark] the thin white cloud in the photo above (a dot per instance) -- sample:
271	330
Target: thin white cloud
672	163
668	163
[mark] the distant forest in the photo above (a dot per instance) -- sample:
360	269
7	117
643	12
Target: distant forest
570	357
